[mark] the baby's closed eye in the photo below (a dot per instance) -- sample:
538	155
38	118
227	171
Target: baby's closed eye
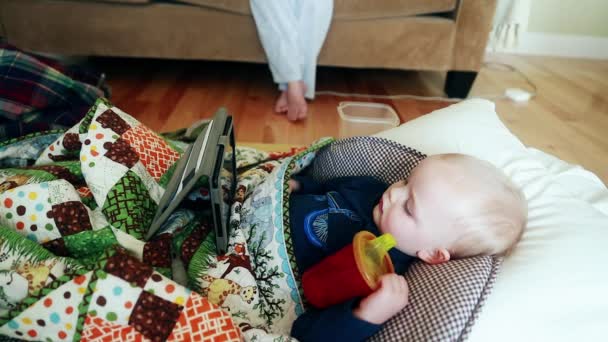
406	207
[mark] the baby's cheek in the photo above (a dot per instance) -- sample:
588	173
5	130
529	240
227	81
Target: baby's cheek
392	226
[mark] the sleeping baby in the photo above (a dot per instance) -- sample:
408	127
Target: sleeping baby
451	206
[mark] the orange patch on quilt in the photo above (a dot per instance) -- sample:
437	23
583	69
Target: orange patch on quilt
156	155
202	321
98	329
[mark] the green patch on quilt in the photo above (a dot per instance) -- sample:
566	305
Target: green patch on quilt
89	202
12	243
165	178
90	242
202	259
129	207
37	176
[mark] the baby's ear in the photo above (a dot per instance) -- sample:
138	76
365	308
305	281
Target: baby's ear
435	257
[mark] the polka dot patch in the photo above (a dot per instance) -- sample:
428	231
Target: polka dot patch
48	302
167	289
21	210
55	319
52	317
111	316
25	211
109	299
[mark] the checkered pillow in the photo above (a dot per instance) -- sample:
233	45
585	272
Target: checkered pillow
444	302
444	299
366	156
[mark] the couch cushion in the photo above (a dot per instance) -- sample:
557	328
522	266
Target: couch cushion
366	9
349	9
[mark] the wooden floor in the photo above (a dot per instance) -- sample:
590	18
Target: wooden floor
568	117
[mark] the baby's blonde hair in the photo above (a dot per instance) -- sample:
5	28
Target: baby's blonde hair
498	211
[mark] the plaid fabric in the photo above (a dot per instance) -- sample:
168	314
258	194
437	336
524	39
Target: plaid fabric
444	299
36	95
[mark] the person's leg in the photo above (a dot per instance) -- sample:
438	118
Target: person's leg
297	107
313	26
313	19
277	28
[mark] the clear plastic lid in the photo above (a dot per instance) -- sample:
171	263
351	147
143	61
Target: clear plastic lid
365	118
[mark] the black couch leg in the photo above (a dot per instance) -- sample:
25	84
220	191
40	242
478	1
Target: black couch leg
459	83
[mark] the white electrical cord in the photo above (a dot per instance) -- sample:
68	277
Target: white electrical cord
387	97
490	65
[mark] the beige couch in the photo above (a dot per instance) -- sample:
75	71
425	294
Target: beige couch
443	35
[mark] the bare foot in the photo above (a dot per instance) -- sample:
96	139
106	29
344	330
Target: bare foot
281	106
296	103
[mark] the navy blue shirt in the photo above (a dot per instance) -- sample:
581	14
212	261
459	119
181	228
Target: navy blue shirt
323	219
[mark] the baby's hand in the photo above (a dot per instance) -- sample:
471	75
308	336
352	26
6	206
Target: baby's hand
388	299
294	185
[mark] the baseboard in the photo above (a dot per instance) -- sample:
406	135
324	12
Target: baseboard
546	44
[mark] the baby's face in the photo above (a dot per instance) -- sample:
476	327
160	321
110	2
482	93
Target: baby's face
420	214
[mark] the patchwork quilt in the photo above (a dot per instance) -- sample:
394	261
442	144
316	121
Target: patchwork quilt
74	264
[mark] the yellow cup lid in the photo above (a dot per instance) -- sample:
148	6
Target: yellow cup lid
371	255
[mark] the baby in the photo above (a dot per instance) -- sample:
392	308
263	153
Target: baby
451	206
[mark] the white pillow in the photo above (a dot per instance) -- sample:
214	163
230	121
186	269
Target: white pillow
553	287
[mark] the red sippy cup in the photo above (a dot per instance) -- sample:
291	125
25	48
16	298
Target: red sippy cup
353	271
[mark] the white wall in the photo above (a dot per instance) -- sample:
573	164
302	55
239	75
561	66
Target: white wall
574	17
571	28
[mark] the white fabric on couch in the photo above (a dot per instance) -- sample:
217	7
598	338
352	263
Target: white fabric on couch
554	285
